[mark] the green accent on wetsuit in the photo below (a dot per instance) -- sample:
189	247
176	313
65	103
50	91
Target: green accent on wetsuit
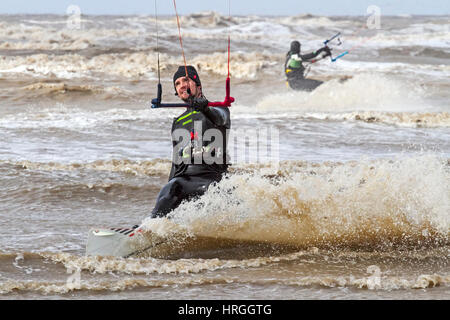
188	115
293	63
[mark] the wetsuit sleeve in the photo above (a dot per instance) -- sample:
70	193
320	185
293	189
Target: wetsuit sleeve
219	116
312	55
172	171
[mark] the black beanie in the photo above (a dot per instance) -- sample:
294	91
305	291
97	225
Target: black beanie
192	74
295	47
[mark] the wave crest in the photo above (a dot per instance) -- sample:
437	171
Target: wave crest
364	204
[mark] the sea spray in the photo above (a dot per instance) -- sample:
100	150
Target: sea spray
360	204
362	92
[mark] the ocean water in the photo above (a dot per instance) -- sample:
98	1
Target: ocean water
351	202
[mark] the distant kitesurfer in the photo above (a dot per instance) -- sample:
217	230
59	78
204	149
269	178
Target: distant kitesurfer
295	70
199	144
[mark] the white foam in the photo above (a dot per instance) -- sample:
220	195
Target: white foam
366	92
348	203
66	117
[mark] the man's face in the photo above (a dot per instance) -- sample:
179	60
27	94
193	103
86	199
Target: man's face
182	84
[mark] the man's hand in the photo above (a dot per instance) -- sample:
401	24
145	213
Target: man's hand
199	104
328	51
325	49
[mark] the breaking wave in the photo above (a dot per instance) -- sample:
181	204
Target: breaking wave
366	97
372	203
191	272
148	168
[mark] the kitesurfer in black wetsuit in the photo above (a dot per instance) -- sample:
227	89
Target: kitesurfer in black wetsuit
295	70
199	145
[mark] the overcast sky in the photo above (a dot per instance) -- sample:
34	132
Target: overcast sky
241	7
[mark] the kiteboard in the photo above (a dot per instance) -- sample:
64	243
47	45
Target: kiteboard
140	243
120	242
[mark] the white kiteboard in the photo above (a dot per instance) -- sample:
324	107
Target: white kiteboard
119	242
128	242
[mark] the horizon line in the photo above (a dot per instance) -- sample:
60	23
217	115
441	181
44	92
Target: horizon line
233	15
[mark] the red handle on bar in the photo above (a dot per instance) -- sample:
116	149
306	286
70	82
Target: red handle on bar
228	100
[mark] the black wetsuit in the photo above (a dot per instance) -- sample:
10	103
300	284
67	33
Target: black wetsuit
295	71
198	156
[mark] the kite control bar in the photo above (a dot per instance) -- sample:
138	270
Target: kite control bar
339	43
157	103
332	38
228	99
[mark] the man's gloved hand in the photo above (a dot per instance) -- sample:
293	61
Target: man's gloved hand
325	49
199	104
